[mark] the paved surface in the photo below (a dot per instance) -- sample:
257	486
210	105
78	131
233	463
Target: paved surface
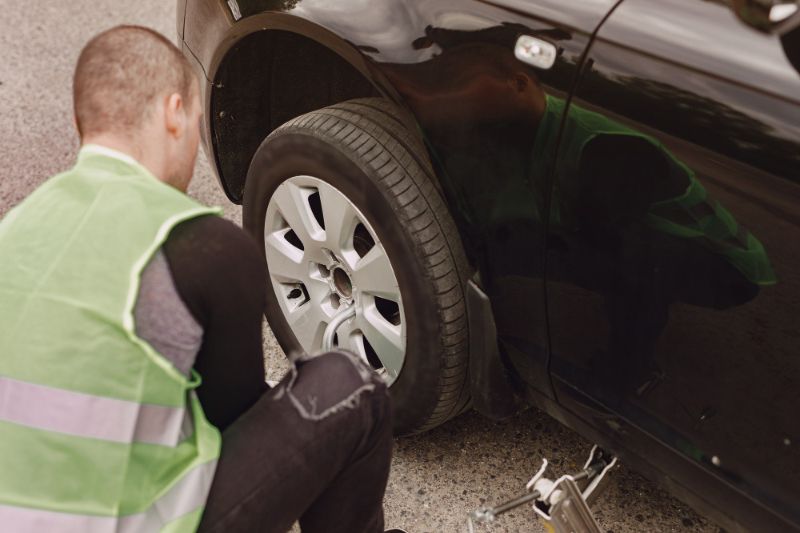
437	477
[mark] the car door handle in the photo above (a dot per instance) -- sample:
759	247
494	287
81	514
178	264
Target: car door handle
535	52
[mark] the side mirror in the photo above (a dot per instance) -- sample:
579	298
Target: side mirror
769	16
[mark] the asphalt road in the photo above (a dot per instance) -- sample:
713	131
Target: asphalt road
437	478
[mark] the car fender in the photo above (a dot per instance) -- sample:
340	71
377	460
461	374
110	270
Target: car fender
230	32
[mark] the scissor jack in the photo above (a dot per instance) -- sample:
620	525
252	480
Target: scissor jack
563	504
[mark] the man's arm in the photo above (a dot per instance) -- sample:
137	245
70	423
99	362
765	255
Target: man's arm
220	275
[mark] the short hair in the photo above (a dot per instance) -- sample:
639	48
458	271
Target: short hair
120	73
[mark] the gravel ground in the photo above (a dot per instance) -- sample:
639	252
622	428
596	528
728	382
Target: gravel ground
437	478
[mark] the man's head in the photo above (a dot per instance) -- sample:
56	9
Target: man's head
135	92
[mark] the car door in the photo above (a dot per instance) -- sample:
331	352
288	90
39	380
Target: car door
483	105
673	280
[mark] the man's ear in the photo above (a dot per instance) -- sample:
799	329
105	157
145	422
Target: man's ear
175	115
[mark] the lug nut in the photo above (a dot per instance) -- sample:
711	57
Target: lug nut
295	294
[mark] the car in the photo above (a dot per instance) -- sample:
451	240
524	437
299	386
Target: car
587	207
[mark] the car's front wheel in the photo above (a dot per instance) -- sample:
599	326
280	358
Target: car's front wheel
344	204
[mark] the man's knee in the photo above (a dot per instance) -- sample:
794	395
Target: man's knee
331	383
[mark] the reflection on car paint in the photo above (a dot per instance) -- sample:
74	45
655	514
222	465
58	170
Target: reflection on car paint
633	223
688	338
624	217
612	181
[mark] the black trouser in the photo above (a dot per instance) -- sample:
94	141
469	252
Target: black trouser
317	448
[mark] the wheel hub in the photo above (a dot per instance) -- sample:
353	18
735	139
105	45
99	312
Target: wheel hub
342	283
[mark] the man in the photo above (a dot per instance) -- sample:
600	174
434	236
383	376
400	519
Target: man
117	292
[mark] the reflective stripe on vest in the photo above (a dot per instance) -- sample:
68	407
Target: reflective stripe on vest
186	496
95	417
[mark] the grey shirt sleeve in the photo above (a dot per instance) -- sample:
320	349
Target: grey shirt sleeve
163	320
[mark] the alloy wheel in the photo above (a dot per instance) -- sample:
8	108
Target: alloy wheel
323	257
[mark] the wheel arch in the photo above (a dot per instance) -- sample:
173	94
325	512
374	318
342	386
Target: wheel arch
269	69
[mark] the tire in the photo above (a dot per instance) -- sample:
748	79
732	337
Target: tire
365	150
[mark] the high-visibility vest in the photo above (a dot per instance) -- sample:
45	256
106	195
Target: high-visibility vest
692	215
98	432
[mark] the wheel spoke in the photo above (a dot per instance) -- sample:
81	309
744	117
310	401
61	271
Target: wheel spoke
386	339
340	218
373	275
308	323
348	340
292	203
285	262
318	293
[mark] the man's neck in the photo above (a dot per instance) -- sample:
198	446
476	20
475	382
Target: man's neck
126	148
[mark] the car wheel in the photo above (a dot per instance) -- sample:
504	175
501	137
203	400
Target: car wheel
344	204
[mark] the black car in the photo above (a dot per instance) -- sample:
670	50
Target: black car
586	206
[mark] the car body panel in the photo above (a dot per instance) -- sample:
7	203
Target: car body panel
704	93
692	339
